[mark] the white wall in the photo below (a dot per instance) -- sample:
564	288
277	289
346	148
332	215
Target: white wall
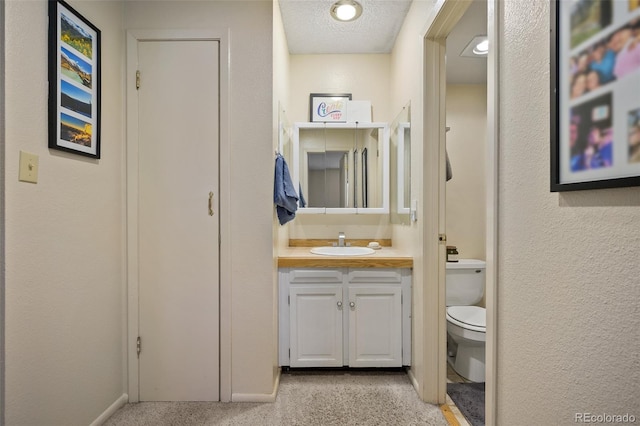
281	110
407	70
568	267
280	107
64	236
366	77
466	146
251	147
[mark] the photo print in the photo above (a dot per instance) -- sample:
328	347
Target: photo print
589	17
634	136
591	135
74	81
595	96
607	60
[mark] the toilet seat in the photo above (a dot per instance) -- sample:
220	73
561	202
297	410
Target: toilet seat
469	317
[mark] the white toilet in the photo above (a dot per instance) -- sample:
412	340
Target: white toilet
466	324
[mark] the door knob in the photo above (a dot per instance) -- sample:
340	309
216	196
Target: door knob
339	305
352	304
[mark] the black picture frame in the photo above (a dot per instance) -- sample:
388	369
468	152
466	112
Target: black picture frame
74	81
595	95
328	107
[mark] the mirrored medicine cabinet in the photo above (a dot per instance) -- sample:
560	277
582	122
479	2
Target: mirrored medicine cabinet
341	168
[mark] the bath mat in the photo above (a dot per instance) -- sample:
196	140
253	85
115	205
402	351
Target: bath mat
469	398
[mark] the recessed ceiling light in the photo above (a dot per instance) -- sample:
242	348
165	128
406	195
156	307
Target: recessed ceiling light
478	47
482	48
346	10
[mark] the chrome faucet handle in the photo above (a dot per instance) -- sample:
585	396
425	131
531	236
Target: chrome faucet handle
341	239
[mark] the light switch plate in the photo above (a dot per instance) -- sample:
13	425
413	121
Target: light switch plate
28	171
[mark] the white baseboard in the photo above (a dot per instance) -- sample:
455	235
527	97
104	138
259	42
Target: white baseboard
258	397
412	379
124	398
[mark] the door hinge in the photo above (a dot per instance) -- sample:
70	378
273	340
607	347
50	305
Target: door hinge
137	79
288	300
138	346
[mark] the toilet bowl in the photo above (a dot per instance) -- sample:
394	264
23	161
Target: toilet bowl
466	331
466	323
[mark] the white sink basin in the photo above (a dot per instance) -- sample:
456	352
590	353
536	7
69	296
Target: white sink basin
342	251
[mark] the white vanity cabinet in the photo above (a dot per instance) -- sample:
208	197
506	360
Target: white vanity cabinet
356	317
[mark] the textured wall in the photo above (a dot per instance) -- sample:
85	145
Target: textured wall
64	237
568	290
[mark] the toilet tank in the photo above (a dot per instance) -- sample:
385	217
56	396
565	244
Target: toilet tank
465	282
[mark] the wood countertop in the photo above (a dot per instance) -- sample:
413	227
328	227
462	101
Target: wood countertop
386	257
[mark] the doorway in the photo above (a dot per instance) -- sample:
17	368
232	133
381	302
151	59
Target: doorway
2	260
173	218
444	19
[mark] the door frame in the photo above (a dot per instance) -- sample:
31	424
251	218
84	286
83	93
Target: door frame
445	16
224	215
2	219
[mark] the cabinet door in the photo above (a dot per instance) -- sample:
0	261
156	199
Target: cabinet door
375	326
316	326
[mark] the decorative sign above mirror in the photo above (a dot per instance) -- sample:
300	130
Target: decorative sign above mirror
328	107
342	167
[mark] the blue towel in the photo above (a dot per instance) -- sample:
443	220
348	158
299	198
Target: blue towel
284	194
303	202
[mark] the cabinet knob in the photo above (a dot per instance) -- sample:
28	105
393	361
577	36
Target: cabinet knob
339	305
352	304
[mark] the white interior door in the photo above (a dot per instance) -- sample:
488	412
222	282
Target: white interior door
178	226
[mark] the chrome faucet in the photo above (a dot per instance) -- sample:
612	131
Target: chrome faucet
341	239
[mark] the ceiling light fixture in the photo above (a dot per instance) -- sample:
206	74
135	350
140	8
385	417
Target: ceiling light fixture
478	47
482	48
346	10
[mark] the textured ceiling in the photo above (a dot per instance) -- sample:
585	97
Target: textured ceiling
310	29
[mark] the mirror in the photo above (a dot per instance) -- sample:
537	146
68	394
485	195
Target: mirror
401	142
328	179
342	167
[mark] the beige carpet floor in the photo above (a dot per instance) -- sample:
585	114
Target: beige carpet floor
305	399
